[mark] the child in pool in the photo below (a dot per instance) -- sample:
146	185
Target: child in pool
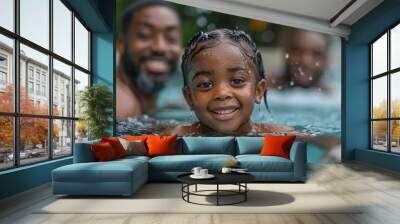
223	79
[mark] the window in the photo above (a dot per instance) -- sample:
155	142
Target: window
3	61
38	89
30	87
6	89
34	22
37	75
81	45
30	72
53	52
43	77
3	78
385	91
7	14
44	91
3	72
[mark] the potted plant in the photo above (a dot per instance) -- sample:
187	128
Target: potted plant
96	103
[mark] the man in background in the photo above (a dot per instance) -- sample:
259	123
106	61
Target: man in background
149	48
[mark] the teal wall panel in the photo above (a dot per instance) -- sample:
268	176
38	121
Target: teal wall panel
356	88
24	178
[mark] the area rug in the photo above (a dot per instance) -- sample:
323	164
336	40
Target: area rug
167	198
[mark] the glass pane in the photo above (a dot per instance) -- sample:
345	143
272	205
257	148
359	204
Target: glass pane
33	139
35	21
379	97
395	47
7	14
81	132
62	138
34	97
379	135
62	89
81	81
395	94
379	55
395	136
6	74
6	142
62	29
81	45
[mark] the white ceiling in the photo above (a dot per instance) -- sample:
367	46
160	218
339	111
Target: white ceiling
316	15
319	9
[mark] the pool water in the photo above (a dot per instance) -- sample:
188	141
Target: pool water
316	116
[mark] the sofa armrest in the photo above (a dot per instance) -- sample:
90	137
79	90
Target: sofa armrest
298	155
83	152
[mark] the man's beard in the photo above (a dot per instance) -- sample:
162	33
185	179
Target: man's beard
143	81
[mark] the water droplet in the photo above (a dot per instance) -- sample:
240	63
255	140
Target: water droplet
287	55
310	78
280	87
300	70
291	83
317	64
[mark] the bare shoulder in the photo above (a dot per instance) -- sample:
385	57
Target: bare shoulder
127	103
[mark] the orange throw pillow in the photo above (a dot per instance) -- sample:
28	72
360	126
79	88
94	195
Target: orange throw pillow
161	145
135	137
116	145
277	145
103	152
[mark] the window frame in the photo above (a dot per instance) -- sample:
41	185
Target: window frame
388	74
16	115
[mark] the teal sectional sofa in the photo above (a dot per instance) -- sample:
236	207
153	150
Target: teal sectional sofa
125	176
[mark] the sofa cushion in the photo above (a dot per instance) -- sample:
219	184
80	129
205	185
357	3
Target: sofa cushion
112	171
257	163
208	145
249	145
185	163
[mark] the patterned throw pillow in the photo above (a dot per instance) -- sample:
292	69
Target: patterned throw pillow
134	147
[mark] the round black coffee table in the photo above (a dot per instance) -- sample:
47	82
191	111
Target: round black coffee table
238	179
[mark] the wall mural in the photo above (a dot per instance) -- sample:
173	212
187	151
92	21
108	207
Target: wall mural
189	71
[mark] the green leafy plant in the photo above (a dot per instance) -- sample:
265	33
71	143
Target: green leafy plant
96	102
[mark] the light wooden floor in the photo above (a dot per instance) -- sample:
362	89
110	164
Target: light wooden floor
351	181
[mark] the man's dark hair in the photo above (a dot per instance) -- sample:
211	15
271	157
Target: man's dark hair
129	12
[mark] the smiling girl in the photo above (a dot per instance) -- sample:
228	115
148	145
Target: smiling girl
223	79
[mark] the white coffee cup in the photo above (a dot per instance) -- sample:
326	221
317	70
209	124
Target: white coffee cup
203	172
226	170
196	170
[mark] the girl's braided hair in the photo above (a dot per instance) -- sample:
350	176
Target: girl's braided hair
204	40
